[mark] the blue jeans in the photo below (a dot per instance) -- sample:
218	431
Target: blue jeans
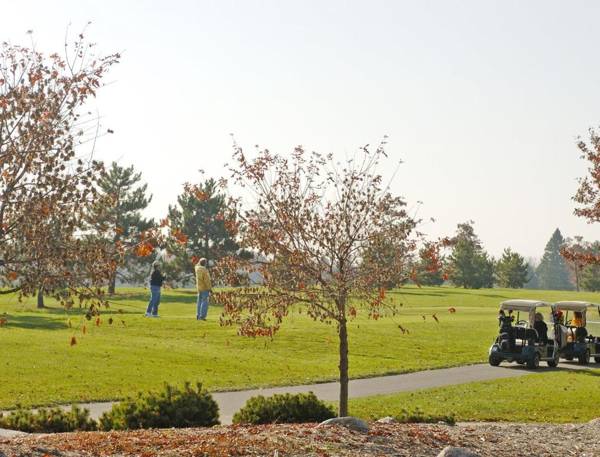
154	300
202	304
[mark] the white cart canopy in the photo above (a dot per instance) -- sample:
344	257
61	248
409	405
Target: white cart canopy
522	305
580	306
526	306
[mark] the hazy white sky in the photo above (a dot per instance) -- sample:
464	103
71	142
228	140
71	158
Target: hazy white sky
482	100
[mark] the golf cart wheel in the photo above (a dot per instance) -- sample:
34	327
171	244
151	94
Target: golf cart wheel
597	359
553	363
534	362
494	361
569	357
584	358
520	362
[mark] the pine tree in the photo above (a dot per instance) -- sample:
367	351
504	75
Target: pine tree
590	274
127	198
552	271
470	266
512	270
199	223
532	282
576	246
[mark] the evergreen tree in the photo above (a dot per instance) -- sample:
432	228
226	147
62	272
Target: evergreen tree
552	271
511	270
532	282
470	266
200	227
127	197
577	247
590	274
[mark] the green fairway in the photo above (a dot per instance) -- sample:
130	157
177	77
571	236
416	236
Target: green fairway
38	365
557	396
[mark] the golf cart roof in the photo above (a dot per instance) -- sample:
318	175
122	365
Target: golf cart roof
574	305
522	305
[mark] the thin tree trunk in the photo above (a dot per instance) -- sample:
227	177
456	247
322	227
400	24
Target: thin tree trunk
343	334
112	283
206	250
40	298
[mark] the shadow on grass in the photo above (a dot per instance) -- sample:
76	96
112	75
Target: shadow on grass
145	297
582	371
77	311
35	323
166	298
444	292
420	294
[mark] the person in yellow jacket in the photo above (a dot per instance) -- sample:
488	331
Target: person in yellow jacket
577	320
204	287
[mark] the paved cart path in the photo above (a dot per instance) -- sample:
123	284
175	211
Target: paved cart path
231	402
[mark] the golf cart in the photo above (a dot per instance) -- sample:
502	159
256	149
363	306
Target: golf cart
574	340
521	342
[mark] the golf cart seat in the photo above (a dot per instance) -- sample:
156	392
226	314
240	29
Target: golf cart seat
526	334
580	333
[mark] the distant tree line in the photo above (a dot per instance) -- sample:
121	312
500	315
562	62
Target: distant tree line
469	266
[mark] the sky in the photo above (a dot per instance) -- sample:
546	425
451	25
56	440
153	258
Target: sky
482	100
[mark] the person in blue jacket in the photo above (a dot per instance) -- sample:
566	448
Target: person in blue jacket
156	282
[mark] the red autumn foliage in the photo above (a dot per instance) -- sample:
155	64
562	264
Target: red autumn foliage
587	197
46	190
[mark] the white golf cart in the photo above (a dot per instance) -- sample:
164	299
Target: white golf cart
518	340
574	340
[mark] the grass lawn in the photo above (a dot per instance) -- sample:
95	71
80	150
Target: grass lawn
39	367
557	396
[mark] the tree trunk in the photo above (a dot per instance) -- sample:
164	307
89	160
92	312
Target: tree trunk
206	250
343	334
112	282
40	298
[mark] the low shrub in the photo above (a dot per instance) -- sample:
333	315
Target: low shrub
48	420
286	408
171	407
418	416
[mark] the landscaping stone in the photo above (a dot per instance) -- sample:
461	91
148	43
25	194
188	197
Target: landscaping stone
387	420
352	423
4	433
451	451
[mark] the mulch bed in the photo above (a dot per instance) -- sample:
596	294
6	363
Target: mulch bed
405	440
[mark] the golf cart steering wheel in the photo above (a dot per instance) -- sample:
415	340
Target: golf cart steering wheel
522	323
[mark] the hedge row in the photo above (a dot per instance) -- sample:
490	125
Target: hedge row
186	407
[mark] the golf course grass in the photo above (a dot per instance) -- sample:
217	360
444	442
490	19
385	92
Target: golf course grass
557	396
39	366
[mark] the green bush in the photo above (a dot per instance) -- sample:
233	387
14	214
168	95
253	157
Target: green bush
172	407
285	408
48	420
418	416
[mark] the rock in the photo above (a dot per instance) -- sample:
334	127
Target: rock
450	451
352	423
387	420
4	433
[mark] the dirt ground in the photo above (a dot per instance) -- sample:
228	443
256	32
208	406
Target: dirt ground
410	440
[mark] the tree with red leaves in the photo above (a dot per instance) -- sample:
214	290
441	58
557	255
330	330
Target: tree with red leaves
587	198
47	189
327	240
